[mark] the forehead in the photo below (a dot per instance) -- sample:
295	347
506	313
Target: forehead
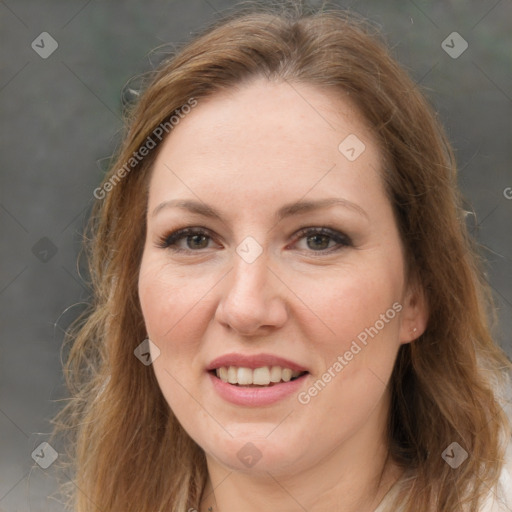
263	139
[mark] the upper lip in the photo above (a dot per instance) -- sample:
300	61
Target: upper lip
253	361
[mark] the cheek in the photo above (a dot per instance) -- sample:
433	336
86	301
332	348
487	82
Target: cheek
359	347
170	307
350	300
170	302
357	336
177	309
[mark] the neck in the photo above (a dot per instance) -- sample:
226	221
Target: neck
354	477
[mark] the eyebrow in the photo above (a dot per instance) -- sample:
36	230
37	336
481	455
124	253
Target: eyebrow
288	210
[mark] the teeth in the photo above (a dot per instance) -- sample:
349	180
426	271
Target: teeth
275	374
286	374
232	377
259	376
222	373
244	376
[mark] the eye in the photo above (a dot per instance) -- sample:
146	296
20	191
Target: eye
318	239
194	239
321	239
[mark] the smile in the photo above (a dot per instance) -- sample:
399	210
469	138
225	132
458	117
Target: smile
265	376
255	380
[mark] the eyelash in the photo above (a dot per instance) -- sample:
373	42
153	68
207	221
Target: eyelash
169	240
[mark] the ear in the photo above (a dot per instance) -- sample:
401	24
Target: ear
415	313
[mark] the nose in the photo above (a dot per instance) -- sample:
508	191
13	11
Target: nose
252	298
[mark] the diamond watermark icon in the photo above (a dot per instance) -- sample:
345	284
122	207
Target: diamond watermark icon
44	45
351	147
147	352
454	455
249	455
454	45
44	455
44	249
249	249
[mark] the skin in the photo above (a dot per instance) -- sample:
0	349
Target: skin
247	152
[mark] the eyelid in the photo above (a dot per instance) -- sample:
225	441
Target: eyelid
181	233
335	234
342	240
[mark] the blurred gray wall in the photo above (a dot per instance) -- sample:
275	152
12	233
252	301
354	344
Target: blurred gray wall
60	115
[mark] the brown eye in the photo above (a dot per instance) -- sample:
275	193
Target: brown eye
323	239
318	241
188	239
197	241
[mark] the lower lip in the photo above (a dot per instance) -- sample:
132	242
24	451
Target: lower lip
256	397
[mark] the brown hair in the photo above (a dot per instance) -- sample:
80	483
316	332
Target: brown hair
126	448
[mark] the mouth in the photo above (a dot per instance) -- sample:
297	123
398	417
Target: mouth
256	380
261	377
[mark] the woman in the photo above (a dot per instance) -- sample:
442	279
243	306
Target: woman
289	313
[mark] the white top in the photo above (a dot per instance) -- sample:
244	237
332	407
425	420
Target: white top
498	500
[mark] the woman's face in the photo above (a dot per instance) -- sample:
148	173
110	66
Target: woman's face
292	264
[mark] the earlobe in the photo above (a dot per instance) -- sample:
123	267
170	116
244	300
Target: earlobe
414	314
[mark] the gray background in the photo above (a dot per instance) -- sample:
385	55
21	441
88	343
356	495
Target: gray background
60	122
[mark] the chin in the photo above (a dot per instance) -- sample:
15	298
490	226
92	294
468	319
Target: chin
256	454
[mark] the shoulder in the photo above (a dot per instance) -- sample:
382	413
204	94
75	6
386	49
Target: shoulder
500	498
